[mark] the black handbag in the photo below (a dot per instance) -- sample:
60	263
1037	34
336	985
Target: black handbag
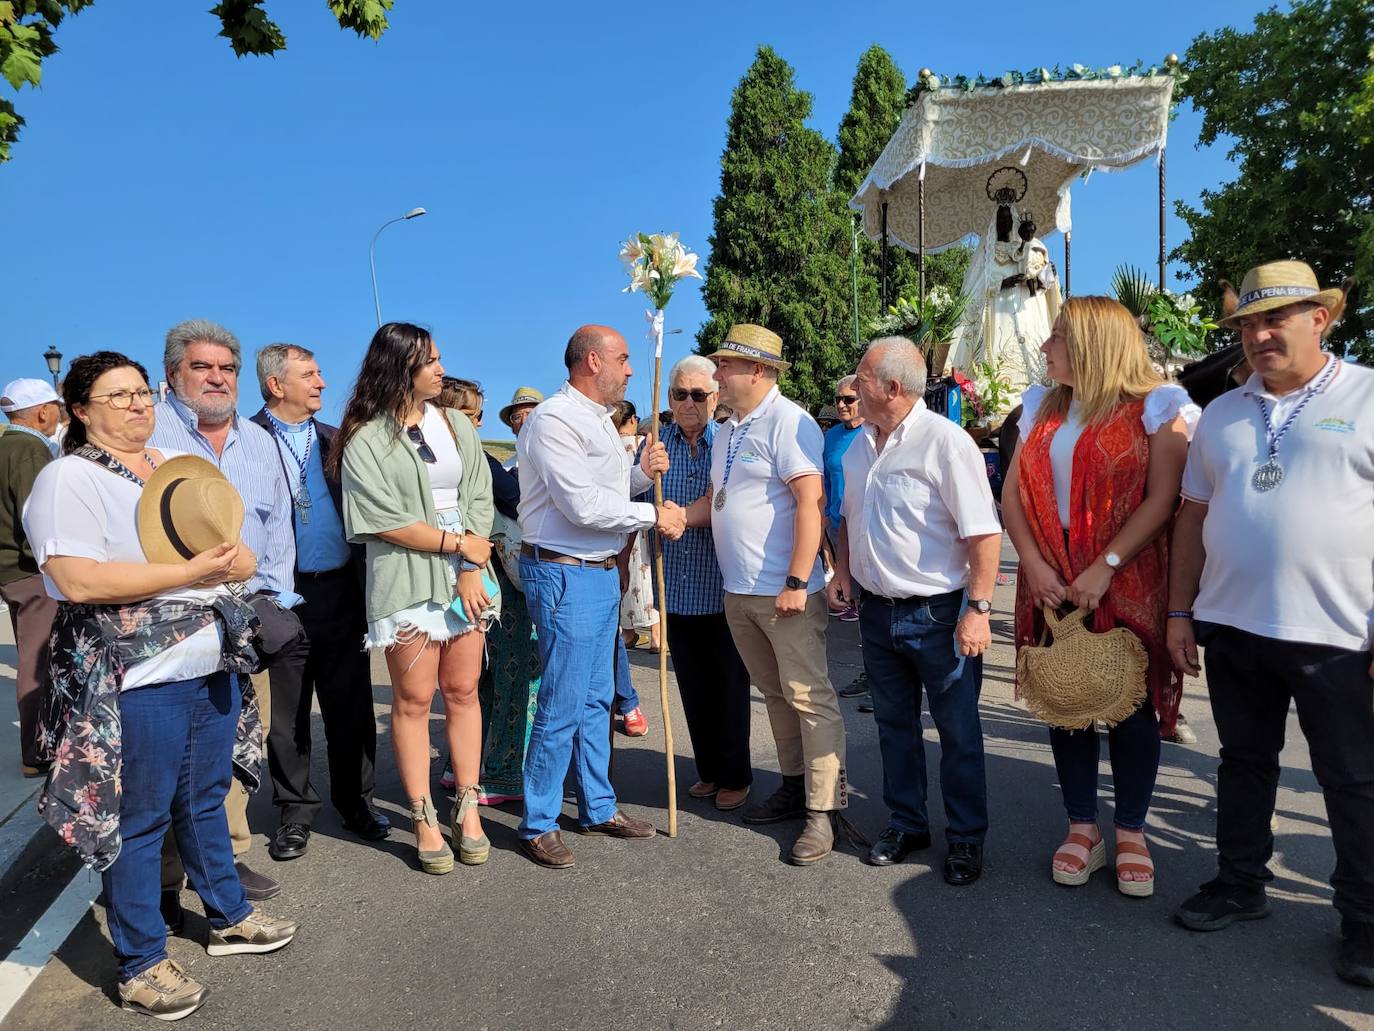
278	628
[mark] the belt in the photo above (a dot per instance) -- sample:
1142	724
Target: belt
919	599
326	574
539	554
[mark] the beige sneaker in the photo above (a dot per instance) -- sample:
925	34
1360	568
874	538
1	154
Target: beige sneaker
163	991
257	932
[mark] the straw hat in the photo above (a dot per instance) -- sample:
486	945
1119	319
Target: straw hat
523	396
187	507
754	344
1278	284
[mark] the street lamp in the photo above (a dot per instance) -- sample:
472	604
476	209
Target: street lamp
372	256
54	359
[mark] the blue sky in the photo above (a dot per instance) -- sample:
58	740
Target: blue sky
161	178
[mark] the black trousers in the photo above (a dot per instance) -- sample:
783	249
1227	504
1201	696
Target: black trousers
1251	680
333	666
714	686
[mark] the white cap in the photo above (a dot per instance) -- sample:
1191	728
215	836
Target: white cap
25	393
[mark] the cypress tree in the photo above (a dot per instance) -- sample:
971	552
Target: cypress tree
780	242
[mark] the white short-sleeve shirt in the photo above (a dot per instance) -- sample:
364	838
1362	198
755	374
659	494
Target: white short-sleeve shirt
82	510
1295	563
753	531
910	508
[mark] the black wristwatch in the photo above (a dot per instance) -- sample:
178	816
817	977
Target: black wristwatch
980	605
795	583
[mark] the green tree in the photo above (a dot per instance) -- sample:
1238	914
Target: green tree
27	27
1294	98
780	242
876	104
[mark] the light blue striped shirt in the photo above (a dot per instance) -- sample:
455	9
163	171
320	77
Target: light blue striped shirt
251	464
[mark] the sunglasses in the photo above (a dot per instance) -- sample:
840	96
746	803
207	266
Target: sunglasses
846	399
679	394
418	439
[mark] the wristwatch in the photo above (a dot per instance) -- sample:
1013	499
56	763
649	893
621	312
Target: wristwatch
980	605
795	583
1112	559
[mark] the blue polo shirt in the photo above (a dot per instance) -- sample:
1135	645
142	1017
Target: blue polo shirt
837	441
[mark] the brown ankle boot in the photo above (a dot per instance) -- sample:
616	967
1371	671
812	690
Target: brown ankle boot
817	838
787	803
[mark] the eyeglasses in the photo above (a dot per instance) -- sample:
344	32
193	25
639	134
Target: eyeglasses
124	398
679	394
846	399
475	416
418	439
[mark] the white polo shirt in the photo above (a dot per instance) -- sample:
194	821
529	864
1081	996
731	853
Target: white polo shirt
773	445
910	508
1295	563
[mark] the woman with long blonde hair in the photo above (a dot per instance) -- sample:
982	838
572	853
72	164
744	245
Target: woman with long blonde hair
1088	500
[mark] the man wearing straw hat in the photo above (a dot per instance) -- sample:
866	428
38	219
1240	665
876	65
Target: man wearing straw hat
765	512
1284	608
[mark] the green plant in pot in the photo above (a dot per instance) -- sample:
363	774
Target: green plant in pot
930	323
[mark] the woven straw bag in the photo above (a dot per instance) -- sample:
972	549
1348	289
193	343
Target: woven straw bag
1082	676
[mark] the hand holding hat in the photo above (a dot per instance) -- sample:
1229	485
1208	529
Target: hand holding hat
190	513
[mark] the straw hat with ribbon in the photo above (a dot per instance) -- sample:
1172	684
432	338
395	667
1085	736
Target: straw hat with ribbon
753	344
523	396
1278	284
187	506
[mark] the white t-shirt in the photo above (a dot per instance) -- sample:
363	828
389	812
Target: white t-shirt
1295	563
446	473
909	509
775	443
1162	405
82	510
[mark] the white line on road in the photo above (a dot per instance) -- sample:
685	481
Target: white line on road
30	956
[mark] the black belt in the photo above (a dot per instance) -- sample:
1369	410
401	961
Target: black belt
919	599
539	554
327	574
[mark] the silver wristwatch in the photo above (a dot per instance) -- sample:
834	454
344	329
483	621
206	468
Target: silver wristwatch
980	605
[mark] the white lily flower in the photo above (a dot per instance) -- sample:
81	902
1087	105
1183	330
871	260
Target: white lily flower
685	265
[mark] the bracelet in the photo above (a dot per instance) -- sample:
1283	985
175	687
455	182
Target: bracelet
1181	614
443	539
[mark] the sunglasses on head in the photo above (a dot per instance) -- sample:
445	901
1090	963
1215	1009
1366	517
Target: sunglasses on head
418	439
846	399
679	394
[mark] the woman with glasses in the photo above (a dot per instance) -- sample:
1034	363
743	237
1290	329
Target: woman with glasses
837	441
417	492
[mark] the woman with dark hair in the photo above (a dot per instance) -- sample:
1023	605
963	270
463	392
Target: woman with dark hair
146	711
417	492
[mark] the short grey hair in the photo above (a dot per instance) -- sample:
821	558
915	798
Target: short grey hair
197	331
845	381
897	358
693	363
272	361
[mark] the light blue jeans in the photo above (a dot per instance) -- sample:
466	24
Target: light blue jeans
576	611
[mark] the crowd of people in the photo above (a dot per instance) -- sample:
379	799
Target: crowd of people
185	584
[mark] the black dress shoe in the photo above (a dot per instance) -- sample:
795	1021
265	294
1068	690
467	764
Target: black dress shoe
172	913
290	842
893	846
257	887
368	824
964	864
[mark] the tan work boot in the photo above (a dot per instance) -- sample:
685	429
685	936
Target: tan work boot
257	932
817	838
163	991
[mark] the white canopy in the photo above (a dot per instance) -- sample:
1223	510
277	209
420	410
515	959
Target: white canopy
1052	131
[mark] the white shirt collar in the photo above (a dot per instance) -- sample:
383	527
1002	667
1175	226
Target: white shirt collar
1255	384
898	431
762	407
585	401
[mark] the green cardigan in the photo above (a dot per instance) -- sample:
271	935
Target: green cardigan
386	487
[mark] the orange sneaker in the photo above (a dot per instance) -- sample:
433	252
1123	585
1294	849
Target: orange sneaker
636	723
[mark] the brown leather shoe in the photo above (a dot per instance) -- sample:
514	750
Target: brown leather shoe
702	789
548	850
731	798
787	803
622	826
817	839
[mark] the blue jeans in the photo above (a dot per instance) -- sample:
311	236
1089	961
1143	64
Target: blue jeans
178	742
626	697
909	647
1134	744
576	610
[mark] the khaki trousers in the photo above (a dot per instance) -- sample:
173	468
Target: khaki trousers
235	804
786	659
32	612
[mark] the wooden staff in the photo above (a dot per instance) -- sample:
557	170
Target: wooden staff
663	598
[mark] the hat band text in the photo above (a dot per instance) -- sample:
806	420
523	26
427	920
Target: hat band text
752	352
1277	291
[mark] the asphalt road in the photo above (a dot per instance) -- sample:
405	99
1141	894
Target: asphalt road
714	929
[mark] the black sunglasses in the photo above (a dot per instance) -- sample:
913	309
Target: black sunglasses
418	439
846	399
679	394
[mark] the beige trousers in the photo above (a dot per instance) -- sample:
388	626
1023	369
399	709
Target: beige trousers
235	803
786	660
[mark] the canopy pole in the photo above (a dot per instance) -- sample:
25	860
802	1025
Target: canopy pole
1068	251
883	260
921	238
1161	219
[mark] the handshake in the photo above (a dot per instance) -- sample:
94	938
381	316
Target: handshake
671	521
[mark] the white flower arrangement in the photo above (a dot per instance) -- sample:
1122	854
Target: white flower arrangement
655	263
